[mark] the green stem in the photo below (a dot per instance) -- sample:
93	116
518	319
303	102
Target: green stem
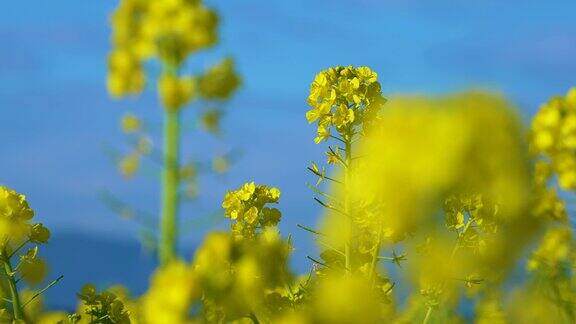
375	253
16	304
254	318
347	203
170	185
427	317
452	255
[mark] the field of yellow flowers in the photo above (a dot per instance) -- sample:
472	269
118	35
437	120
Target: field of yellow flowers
430	204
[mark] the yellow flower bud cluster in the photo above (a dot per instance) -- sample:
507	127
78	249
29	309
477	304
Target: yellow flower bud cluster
463	208
555	255
103	305
420	144
547	204
246	206
15	217
129	165
132	125
167	29
553	136
210	121
219	81
343	97
230	279
175	92
173	290
220	164
126	75
237	277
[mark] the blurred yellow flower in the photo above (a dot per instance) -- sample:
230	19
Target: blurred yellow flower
173	290
220	81
130	123
129	165
175	92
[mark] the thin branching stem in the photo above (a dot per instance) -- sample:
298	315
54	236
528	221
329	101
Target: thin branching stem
347	201
317	262
306	228
337	138
330	207
320	192
337	156
323	176
50	285
18	248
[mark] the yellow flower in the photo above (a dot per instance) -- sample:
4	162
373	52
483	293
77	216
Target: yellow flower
553	136
251	215
126	75
323	133
555	252
220	164
173	289
33	271
168	29
175	92
130	124
246	206
39	234
210	121
14	216
220	81
343	97
129	165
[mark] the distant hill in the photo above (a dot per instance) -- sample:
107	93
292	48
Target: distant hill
87	259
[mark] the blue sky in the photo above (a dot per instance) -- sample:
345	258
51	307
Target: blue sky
56	115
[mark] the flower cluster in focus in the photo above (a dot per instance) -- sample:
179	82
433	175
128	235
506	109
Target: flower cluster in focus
247	207
343	97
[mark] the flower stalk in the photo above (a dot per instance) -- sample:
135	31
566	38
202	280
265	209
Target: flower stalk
15	298
170	185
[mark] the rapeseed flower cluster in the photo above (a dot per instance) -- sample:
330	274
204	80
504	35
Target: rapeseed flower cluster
247	206
554	135
551	265
219	81
343	97
15	216
104	306
167	29
229	279
424	211
20	239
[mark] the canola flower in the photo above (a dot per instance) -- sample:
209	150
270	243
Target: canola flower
247	207
20	239
553	135
419	154
347	100
130	124
169	31
429	204
343	98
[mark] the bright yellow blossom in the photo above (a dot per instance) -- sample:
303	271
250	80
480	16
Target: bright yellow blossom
173	290
553	135
247	207
343	97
